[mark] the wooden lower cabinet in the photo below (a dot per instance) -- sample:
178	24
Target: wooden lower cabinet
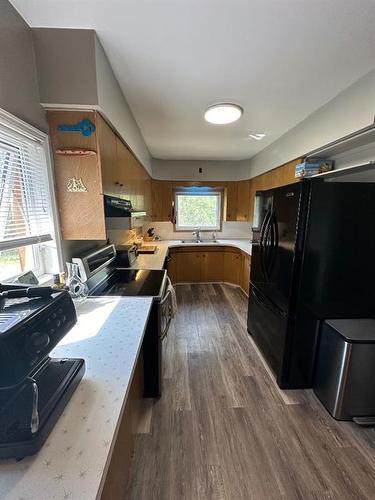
117	475
232	266
209	264
188	267
212	266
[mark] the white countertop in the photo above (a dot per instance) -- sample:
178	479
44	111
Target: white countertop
156	260
73	462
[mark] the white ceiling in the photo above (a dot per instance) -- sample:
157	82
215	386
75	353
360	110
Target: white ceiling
279	59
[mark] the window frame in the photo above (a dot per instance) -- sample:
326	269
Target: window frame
17	125
199	191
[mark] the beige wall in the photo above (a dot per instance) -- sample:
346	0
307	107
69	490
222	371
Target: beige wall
185	170
351	110
74	72
18	79
115	108
65	61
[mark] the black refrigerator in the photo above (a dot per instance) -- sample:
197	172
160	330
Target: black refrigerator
313	257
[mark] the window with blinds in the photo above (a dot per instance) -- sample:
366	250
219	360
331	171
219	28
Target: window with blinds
25	208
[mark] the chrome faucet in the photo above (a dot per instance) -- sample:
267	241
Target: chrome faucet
197	234
214	237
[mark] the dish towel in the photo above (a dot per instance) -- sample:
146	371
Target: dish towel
173	297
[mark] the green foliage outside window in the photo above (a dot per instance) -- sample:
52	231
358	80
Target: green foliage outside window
198	211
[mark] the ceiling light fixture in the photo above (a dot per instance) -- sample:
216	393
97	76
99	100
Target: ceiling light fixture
223	113
257	136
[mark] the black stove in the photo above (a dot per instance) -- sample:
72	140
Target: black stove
105	278
129	282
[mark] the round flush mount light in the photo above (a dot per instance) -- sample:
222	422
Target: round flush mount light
223	113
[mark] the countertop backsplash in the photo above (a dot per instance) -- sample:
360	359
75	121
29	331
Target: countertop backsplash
124	236
229	230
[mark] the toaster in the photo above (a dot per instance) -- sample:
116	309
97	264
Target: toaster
125	255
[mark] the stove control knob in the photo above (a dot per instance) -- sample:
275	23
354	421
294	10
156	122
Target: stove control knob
37	342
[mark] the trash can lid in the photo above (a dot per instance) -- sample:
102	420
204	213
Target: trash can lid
357	330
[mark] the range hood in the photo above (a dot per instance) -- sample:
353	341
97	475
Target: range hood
117	207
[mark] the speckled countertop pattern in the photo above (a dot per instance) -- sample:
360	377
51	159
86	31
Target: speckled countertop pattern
72	463
156	260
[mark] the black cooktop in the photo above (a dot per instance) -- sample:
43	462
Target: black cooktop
131	282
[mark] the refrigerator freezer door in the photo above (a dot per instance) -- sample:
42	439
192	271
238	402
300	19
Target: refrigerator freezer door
268	327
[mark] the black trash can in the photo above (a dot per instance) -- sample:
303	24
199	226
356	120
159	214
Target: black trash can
345	372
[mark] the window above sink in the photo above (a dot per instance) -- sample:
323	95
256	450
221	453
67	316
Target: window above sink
198	208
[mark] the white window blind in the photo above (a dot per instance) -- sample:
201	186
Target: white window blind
25	209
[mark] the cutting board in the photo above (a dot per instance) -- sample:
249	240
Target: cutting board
148	249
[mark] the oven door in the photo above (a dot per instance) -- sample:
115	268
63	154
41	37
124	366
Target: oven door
165	314
157	330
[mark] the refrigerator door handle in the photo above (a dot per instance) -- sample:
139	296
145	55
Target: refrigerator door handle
268	241
264	227
274	241
263	243
269	247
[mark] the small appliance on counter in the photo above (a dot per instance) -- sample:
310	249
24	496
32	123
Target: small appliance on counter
34	388
126	255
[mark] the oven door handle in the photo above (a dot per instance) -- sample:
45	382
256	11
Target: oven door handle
166	311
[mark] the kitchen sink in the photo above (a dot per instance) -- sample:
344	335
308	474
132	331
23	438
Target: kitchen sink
199	242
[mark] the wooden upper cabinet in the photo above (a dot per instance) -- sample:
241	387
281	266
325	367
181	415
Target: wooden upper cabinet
108	157
161	200
251	200
81	211
280	176
133	180
231	204
238	200
113	170
243	200
123	171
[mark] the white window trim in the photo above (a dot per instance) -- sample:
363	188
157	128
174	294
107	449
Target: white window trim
12	122
217	193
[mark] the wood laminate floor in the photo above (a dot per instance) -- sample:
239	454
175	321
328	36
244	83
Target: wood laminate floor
224	431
